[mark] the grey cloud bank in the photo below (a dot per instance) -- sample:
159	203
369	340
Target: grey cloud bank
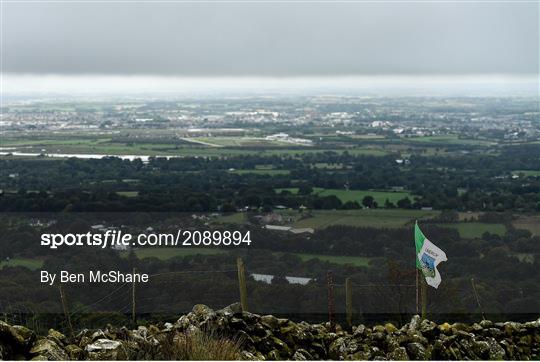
271	39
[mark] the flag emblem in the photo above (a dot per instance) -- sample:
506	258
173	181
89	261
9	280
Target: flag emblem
428	256
428	265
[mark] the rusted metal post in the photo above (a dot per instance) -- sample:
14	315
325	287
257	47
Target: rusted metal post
330	287
65	308
477	298
348	300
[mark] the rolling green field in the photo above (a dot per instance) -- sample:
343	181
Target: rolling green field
384	218
292	190
168	253
449	139
390	218
73	143
121	149
240	142
31	264
234	218
268	172
329	166
337	259
531	223
527	173
476	229
317	219
128	193
55	142
357	195
381	218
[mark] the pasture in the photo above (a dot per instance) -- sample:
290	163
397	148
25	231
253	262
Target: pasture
238	141
357	261
32	264
379	218
163	143
168	253
232	218
476	229
530	222
128	193
449	139
268	172
357	195
527	173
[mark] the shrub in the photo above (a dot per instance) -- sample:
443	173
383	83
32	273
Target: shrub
199	345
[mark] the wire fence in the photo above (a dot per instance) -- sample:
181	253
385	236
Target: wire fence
344	300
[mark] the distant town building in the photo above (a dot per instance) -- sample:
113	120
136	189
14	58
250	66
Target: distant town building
267	278
277	227
289	229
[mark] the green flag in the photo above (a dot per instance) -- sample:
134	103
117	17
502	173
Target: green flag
428	256
418	242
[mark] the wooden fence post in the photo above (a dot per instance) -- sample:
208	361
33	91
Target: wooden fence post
242	284
65	308
348	300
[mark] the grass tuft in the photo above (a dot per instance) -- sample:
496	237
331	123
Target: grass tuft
199	345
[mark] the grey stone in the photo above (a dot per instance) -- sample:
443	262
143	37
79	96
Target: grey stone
106	349
360	331
201	310
398	354
496	352
416	351
248	356
342	347
57	337
235	308
274	355
414	324
486	323
15	337
269	321
103	344
429	329
302	355
74	352
49	350
481	349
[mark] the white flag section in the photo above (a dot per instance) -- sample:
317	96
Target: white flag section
429	257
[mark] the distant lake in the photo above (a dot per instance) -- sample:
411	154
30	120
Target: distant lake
143	158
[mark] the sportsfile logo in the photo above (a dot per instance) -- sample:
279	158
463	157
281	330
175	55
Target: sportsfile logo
110	237
117	238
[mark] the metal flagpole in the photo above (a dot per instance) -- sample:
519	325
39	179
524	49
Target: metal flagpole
417	310
424	298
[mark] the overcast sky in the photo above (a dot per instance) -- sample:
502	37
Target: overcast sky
271	39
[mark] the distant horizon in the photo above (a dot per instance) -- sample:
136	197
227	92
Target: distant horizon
384	84
257	48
